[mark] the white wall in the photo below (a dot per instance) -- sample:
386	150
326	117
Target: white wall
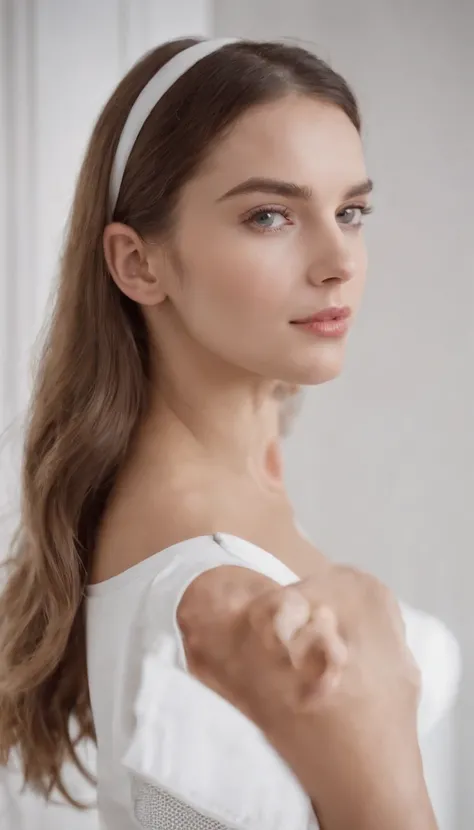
381	466
59	61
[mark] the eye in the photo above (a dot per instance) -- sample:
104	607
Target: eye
353	215
268	219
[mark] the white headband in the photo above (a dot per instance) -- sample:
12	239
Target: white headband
148	98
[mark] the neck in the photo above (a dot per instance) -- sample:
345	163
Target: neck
205	410
233	426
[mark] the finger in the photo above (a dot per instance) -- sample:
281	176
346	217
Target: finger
326	623
319	655
319	642
213	599
292	615
321	688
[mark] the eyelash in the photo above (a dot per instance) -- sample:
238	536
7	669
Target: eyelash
267	209
364	209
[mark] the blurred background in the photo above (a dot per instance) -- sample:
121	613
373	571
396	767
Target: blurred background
381	462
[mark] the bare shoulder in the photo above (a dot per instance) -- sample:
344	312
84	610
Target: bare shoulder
140	522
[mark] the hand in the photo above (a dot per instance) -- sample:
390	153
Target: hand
235	621
323	669
264	646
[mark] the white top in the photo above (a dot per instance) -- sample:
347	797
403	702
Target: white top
171	753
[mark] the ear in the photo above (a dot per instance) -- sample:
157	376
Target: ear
130	265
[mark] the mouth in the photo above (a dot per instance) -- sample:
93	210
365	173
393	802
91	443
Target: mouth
330	322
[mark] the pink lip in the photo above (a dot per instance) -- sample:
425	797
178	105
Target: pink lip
332	313
331	322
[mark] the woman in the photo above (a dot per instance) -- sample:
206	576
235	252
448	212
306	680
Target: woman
215	251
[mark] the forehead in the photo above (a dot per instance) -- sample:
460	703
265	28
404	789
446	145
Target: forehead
296	138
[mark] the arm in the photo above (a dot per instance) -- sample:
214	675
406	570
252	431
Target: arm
335	693
380	788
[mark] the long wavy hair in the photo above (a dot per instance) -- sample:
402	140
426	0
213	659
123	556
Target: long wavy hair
92	383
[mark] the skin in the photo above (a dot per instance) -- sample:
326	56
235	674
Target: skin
206	459
219	315
334	671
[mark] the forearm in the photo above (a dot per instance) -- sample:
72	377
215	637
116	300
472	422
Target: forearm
381	787
376	808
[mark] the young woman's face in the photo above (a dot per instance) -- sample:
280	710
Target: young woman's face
270	233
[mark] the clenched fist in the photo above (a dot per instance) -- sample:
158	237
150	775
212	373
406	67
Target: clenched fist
322	667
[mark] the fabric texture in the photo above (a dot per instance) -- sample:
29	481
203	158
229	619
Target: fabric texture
171	753
154	808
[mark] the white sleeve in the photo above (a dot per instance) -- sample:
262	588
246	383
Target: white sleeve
196	762
437	653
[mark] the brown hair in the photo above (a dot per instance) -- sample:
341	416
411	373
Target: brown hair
91	386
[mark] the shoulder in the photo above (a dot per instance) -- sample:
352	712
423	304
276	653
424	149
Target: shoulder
438	656
140	521
174	590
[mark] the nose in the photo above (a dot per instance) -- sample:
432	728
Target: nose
332	260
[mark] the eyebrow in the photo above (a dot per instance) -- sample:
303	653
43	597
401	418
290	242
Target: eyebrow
290	189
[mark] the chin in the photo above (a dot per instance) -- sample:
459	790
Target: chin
323	374
317	369
310	376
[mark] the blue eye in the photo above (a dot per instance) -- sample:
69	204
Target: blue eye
352	216
268	219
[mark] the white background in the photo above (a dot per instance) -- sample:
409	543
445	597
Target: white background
381	465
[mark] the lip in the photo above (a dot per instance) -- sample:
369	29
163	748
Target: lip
331	313
330	322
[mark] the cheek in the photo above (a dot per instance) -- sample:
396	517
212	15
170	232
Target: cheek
250	278
363	259
360	270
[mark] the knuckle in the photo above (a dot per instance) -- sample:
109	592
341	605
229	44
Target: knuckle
203	608
292	615
381	593
352	581
349	573
263	608
365	584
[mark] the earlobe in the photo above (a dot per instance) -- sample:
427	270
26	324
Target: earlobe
126	257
